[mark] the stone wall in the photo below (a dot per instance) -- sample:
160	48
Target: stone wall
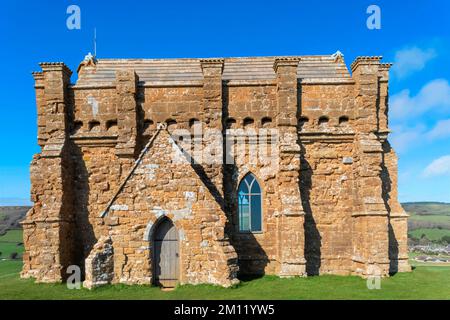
398	219
258	252
97	178
327	131
162	186
248	110
100	264
48	226
327	195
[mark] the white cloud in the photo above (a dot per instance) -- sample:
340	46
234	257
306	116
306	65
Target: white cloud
441	130
438	167
412	59
434	96
403	138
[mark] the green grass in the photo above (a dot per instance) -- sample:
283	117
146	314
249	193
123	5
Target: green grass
422	283
12	236
8	243
431	234
427	281
7	248
431	218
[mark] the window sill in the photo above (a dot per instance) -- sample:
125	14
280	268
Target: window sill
250	232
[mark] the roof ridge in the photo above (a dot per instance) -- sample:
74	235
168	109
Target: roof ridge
314	67
327	56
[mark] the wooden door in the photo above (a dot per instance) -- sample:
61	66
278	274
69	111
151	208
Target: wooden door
166	254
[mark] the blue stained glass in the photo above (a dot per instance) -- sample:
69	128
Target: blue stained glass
250	210
243	188
255	187
256	213
244	213
244	201
249	178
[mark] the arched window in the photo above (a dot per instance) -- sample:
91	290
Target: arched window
250	205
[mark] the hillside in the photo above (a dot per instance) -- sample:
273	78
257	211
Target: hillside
11	243
427	208
428	221
11	216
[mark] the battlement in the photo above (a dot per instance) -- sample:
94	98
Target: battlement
170	90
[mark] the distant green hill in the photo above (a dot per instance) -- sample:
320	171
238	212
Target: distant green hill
11	216
431	219
427	208
11	243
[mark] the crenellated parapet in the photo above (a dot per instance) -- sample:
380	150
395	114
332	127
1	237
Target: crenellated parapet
365	72
51	87
383	125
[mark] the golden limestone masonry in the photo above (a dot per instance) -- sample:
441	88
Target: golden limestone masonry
166	171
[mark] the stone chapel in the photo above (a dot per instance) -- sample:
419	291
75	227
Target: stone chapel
120	188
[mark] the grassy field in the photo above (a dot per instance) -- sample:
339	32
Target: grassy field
431	234
12	236
11	242
429	218
7	248
423	283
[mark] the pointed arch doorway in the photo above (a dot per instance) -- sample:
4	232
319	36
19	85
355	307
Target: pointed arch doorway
165	254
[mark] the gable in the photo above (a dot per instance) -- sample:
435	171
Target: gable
163	183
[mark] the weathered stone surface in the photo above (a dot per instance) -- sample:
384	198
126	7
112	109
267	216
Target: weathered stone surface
100	264
106	176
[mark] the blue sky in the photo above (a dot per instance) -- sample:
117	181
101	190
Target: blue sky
415	35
